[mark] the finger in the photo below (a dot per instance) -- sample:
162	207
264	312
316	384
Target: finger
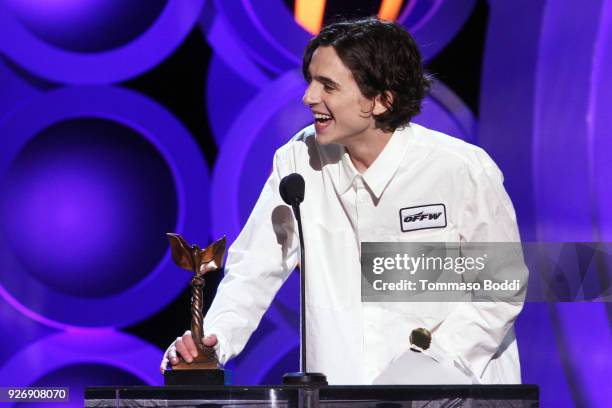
172	356
168	356
182	350
164	362
210	340
189	344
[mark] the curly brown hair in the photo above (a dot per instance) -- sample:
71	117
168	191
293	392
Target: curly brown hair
384	59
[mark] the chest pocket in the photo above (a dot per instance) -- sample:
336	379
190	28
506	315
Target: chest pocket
332	267
432	313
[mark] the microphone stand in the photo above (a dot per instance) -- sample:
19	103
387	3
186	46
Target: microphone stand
303	377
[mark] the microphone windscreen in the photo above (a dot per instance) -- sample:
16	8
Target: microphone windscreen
292	189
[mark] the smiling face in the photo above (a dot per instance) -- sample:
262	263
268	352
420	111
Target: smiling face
342	114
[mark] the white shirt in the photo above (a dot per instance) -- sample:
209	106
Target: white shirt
351	341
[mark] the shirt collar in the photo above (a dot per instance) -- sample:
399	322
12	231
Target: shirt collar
378	175
348	172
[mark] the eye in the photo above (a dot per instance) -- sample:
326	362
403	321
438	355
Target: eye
328	88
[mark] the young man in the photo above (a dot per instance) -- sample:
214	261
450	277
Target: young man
362	162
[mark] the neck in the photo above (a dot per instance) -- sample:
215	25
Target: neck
364	151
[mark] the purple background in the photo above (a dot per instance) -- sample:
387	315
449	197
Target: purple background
112	118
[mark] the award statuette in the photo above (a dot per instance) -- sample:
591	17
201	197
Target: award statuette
205	368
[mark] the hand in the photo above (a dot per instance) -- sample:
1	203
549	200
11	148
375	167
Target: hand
186	348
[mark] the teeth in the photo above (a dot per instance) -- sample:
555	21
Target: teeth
320	116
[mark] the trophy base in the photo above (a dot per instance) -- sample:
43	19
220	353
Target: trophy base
304	379
214	376
203	370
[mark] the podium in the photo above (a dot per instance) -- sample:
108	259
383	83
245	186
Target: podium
397	396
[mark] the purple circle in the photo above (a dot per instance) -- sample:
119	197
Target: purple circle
190	174
15	89
87	26
71	192
285	362
83	375
445	112
434	23
102	347
230	175
601	144
117	64
270	34
226	93
571	146
228	46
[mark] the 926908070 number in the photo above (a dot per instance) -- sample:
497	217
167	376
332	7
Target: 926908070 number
30	394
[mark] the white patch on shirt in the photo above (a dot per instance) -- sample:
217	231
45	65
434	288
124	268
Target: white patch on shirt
423	217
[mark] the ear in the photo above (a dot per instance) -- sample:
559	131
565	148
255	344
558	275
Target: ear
382	103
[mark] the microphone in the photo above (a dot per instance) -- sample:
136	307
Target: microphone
292	189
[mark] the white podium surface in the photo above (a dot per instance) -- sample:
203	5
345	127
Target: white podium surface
417	368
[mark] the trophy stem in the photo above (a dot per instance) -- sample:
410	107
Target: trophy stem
197	318
206	358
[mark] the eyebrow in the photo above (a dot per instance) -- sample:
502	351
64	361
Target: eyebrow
326	81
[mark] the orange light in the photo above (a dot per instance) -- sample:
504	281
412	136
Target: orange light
389	9
309	14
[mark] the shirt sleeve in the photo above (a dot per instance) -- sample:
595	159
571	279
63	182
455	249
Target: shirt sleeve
473	333
258	263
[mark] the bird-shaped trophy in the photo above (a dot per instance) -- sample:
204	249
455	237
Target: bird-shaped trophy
205	368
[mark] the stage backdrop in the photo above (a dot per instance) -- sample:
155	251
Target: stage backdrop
121	121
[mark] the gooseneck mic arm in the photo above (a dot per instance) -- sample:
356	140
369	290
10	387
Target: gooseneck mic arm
292	192
292	189
296	211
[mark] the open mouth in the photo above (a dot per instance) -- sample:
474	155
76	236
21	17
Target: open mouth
322	118
322	121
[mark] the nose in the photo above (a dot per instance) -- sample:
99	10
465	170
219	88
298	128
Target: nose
311	96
